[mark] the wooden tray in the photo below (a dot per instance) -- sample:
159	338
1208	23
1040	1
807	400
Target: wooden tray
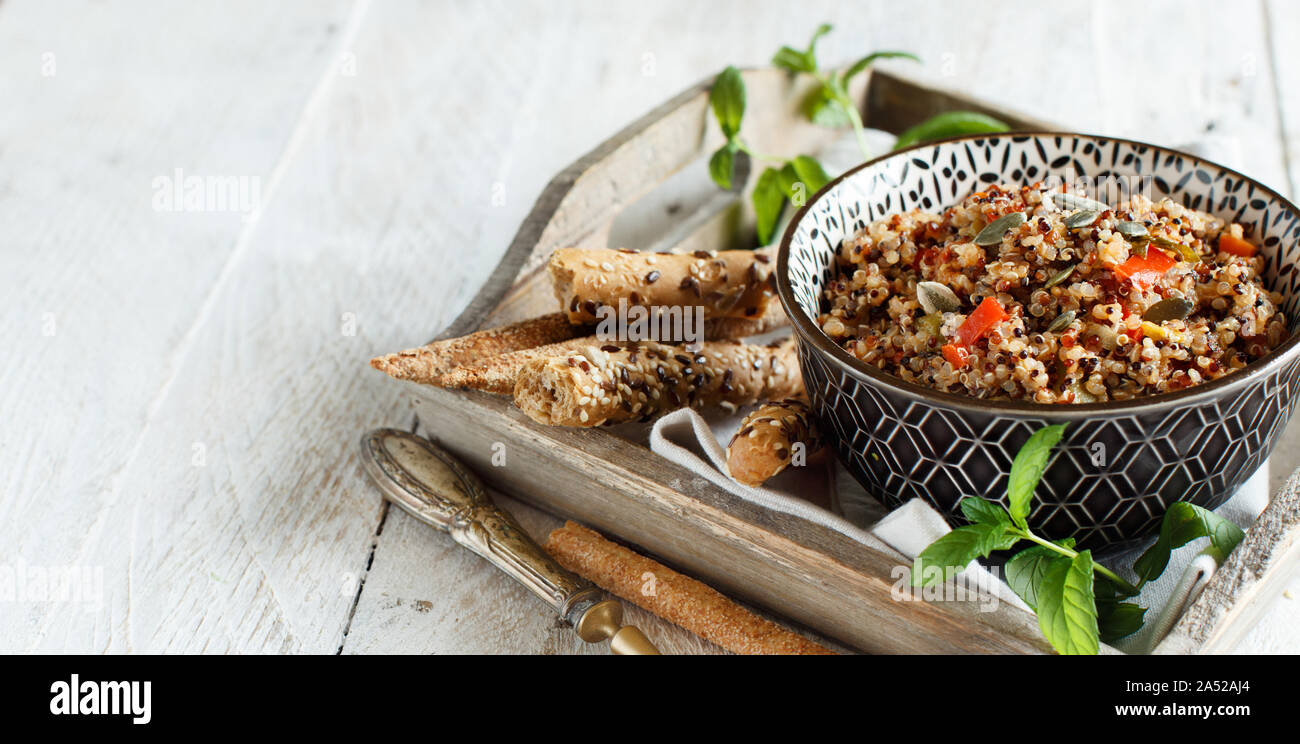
799	570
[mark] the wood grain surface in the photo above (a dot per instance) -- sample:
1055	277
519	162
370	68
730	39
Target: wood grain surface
183	391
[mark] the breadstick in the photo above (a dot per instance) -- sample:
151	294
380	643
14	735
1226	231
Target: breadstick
612	384
498	374
765	443
727	284
676	598
772	318
428	363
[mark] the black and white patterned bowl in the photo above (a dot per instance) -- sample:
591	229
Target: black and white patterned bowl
1121	463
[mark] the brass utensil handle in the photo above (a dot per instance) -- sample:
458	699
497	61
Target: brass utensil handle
435	488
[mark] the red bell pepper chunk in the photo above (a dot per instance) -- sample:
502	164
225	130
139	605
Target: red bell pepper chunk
988	314
1235	246
1146	270
956	355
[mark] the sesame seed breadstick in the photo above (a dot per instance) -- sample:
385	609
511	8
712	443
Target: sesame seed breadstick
765	443
612	384
498	374
725	283
678	599
428	363
772	318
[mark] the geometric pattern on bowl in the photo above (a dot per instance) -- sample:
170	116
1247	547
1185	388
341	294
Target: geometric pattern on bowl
1120	464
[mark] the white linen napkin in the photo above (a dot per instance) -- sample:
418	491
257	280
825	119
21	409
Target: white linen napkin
688	439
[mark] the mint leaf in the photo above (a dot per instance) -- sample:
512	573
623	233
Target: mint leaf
1025	571
955	550
728	100
1114	621
1183	523
811	173
866	62
769	200
793	60
1067	613
822	109
722	166
950	124
981	511
1027	469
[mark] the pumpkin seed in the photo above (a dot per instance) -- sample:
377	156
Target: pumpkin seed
1140	248
1060	276
1188	253
1062	322
1082	218
1170	308
1132	230
937	298
1071	201
993	232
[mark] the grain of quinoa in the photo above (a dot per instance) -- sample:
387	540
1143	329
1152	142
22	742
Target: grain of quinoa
1104	351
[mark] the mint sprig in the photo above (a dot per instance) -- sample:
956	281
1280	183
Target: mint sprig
1079	602
793	180
785	181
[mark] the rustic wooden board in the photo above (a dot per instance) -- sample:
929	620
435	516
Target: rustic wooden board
809	574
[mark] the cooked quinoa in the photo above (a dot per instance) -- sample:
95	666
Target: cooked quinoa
1050	313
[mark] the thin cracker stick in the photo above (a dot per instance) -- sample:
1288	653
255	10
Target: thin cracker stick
428	363
678	599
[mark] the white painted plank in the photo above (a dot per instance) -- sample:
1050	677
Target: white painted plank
103	289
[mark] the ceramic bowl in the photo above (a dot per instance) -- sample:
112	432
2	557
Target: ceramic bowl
1121	463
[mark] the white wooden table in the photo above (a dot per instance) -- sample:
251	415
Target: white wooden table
183	387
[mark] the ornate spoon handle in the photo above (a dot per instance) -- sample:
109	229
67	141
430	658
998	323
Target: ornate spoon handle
434	487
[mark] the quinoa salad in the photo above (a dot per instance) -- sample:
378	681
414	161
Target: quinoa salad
1045	296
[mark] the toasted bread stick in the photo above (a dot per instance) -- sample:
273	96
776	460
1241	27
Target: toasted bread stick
498	374
727	284
613	383
768	439
428	363
678	599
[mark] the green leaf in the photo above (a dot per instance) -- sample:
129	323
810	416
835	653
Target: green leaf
955	550
1114	621
769	200
1183	523
1106	590
950	124
982	511
728	100
1025	571
1067	612
788	58
1027	469
811	172
793	60
722	166
867	61
822	109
